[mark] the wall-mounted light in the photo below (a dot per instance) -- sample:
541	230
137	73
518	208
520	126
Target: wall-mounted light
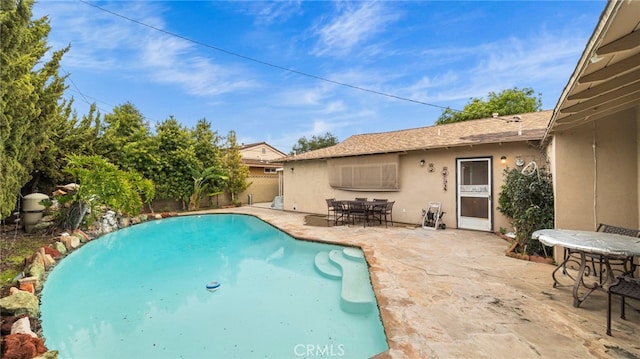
291	169
421	163
431	167
503	159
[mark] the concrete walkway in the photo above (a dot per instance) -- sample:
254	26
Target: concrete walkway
454	294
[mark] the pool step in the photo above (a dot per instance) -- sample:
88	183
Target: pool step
356	295
326	267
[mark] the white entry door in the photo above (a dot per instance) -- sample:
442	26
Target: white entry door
474	193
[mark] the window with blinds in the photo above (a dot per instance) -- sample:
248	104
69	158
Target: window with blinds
365	173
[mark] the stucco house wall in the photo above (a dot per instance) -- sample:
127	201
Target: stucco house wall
592	138
596	173
307	185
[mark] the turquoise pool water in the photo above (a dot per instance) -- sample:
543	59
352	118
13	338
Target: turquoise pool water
141	293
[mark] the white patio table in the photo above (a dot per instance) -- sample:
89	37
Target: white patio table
607	245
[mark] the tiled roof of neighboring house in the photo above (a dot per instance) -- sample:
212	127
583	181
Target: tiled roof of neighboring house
530	127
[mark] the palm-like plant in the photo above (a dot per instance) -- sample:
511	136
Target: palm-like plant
204	184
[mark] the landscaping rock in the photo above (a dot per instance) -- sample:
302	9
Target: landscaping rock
29	280
60	247
23	326
35	270
28	287
51	354
124	222
19	346
42	226
20	302
7	323
83	236
70	242
53	252
109	222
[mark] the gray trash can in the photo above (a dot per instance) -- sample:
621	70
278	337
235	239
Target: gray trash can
250	199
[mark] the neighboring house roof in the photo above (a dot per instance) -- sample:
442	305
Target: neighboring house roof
606	79
530	127
258	163
260	154
244	147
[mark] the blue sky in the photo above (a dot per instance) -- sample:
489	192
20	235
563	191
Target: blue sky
226	61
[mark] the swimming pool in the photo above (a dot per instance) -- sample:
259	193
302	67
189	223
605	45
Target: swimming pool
141	293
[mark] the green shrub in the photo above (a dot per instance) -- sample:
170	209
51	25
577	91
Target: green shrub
527	200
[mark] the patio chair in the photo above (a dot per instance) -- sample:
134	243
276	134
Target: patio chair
330	208
340	212
386	213
380	200
625	287
358	210
627	263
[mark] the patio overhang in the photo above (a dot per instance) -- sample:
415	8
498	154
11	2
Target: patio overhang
607	77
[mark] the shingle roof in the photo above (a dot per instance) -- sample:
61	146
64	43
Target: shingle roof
531	127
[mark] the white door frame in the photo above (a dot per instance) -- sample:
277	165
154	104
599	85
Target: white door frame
476	193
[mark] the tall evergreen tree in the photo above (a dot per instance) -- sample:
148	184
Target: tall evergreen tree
206	145
69	136
29	96
237	172
126	140
177	160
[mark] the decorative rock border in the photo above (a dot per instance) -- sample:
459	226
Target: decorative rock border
21	308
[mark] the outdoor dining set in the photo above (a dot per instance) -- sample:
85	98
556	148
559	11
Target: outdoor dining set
377	211
607	255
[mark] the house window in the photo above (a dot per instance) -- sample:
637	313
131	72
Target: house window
269	170
365	173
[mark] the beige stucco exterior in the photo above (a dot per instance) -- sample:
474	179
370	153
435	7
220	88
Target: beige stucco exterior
263	172
307	185
595	170
263	188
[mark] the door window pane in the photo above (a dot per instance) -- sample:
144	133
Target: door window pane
474	173
477	207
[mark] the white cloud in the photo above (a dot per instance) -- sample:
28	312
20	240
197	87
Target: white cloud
267	13
355	25
103	42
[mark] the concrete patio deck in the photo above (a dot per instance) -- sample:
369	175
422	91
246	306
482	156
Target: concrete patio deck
454	294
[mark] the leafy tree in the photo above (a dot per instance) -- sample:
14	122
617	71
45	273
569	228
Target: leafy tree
508	102
28	96
126	140
102	183
236	171
176	161
316	142
527	199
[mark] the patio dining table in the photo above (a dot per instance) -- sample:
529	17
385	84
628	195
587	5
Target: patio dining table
368	207
585	243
